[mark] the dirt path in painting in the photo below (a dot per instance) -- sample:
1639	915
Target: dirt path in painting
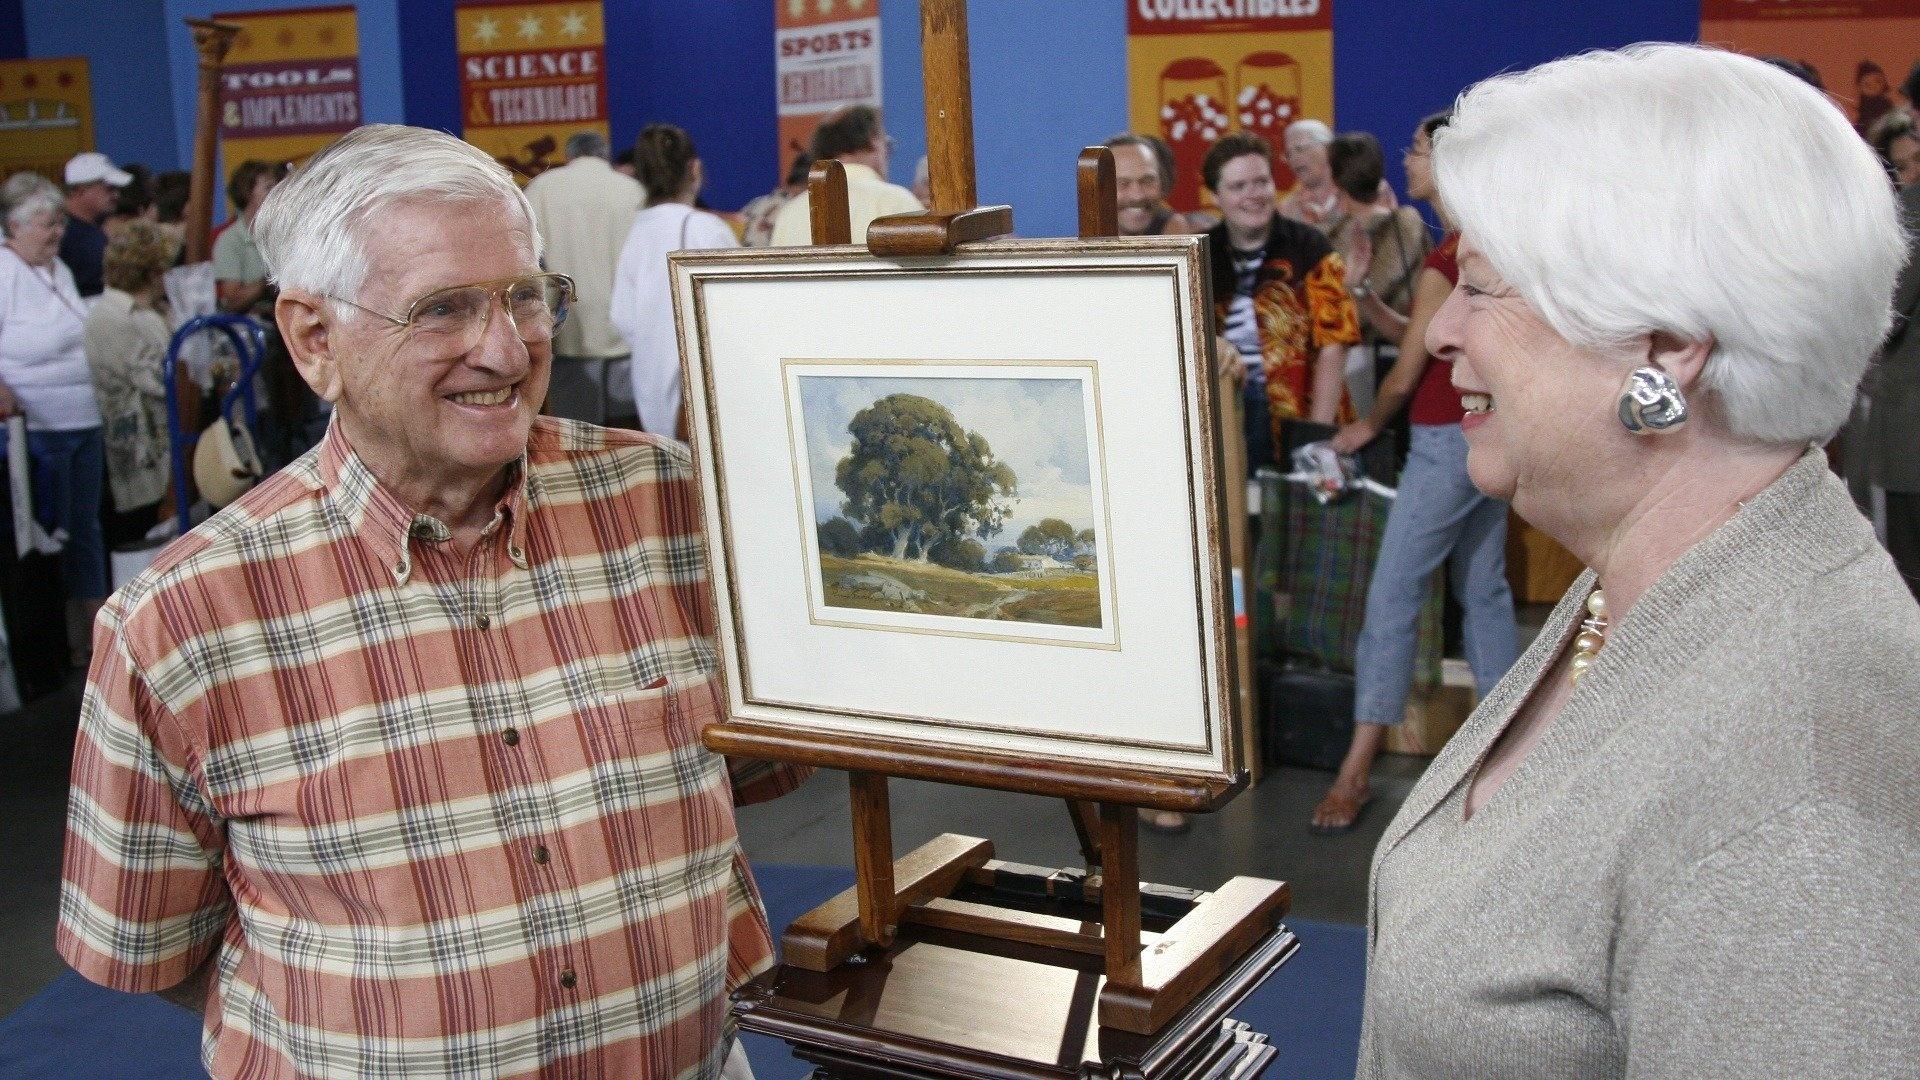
992	608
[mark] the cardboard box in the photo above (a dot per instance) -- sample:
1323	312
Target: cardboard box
1434	713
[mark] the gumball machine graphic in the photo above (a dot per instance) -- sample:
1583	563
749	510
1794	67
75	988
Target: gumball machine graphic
1266	99
1193	116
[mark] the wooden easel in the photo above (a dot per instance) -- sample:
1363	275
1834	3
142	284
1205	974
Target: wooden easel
1149	977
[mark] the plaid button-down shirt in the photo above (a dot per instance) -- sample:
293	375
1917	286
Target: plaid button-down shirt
432	813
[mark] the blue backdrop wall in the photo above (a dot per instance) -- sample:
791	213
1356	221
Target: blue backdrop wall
1048	79
706	66
127	64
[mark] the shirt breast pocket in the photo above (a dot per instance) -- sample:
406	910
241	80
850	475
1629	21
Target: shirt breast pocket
646	742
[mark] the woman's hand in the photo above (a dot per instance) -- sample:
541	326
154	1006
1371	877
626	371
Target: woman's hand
1360	259
1227	362
9	405
1352	437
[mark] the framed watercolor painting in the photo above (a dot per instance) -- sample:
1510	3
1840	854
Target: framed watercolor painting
963	516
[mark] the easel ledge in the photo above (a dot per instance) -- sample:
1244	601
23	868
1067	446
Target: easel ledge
1190	794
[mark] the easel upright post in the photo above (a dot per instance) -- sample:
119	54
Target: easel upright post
955	217
949	79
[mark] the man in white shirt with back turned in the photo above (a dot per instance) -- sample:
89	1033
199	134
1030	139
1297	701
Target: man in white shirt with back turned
854	138
584	209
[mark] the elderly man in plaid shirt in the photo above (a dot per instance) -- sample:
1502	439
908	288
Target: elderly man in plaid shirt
393	768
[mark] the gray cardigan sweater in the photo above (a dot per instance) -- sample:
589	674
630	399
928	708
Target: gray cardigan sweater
1709	866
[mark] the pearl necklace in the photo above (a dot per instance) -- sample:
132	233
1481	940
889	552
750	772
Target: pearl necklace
1593	635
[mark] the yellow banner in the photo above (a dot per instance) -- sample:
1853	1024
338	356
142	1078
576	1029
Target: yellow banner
530	76
46	115
291	84
1193	77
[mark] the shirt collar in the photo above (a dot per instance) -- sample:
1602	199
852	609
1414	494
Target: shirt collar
377	517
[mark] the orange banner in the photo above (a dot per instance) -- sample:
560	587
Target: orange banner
46	115
1197	69
531	75
1861	49
826	57
291	84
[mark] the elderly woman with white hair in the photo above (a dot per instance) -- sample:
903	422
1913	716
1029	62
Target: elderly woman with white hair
1680	837
44	377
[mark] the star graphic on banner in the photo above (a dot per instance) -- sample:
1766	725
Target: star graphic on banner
529	27
324	35
486	31
797	8
825	6
285	38
573	24
65	78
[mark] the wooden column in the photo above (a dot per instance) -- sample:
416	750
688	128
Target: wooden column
211	40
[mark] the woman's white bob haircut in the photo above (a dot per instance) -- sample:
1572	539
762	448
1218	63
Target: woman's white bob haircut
1693	191
311	229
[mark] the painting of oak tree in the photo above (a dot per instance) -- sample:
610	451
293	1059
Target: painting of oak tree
958	497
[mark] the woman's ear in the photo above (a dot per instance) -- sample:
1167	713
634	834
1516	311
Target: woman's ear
306	326
1684	360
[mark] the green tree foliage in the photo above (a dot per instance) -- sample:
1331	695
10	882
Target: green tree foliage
1007	562
1053	538
916	478
959	553
839	537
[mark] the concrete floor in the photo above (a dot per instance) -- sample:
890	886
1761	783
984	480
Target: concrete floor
1262	833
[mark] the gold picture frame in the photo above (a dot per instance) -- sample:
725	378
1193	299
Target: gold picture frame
1147	716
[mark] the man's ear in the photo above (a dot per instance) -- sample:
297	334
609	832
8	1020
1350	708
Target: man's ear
306	326
1681	359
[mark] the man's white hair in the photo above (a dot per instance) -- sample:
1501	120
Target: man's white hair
1693	191
1309	130
311	230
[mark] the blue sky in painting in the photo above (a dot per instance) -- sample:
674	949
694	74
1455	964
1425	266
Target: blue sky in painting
1036	425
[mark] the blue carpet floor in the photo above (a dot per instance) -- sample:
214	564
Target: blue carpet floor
73	1029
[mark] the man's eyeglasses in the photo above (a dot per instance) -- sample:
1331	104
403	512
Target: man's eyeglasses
457	317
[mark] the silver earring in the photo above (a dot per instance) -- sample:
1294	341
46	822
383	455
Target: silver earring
1651	402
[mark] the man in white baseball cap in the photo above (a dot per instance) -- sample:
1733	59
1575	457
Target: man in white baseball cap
93	185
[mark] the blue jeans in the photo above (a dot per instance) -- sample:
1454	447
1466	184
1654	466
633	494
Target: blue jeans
1257	415
1438	513
69	472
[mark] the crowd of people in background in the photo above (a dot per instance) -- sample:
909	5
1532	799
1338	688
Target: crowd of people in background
1322	296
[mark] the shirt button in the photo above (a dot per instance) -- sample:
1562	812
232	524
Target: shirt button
511	737
568	980
540	854
483	622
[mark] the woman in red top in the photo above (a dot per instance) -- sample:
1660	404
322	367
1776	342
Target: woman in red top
1439	514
